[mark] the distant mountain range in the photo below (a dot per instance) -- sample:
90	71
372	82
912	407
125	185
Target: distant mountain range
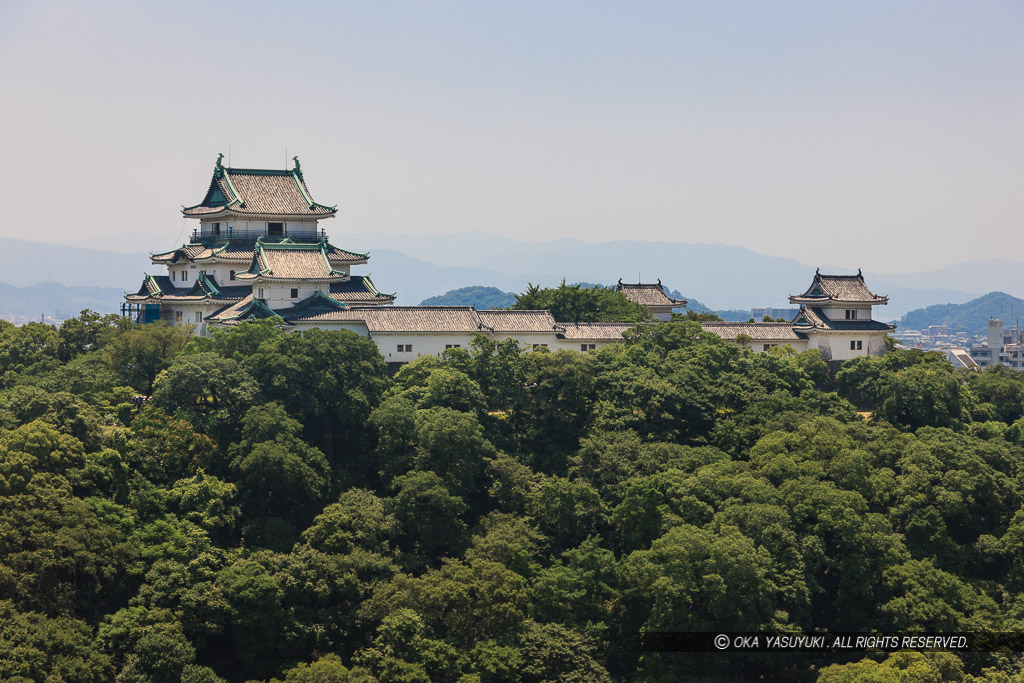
54	300
720	275
971	317
417	267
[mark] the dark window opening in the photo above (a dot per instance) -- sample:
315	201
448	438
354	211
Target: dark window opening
295	293
275	229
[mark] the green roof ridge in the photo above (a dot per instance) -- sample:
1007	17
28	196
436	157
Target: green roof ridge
302	190
318	296
156	285
373	288
209	285
231	186
256	305
348	251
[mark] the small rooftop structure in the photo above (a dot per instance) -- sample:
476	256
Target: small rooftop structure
651	296
960	358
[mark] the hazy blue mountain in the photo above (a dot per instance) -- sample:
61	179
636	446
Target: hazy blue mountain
413	279
57	301
902	301
971	316
418	267
28	263
481	297
719	275
988	275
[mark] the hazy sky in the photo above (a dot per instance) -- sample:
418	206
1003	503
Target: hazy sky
882	135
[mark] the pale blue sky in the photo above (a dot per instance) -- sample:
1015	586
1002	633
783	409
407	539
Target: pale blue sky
864	134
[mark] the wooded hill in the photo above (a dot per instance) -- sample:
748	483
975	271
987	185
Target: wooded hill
971	317
284	509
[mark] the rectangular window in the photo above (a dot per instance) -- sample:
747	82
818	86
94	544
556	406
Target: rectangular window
202	272
856	345
453	346
184	276
260	296
851	314
405	348
295	293
177	316
232	275
174	275
216	228
860	345
275	229
199	317
588	347
767	346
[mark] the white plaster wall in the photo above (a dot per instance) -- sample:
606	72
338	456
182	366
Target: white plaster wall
279	295
839	313
422	345
526	341
354	326
839	344
574	345
758	346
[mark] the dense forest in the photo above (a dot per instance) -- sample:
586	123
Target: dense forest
285	508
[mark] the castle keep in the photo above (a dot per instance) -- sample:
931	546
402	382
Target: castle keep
259	252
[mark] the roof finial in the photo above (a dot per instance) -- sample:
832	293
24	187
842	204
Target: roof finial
817	272
298	169
859	274
219	157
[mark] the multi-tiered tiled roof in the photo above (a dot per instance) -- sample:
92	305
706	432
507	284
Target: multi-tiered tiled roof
283	251
287	260
829	289
261	192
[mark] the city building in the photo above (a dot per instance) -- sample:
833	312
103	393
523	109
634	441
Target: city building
1001	347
